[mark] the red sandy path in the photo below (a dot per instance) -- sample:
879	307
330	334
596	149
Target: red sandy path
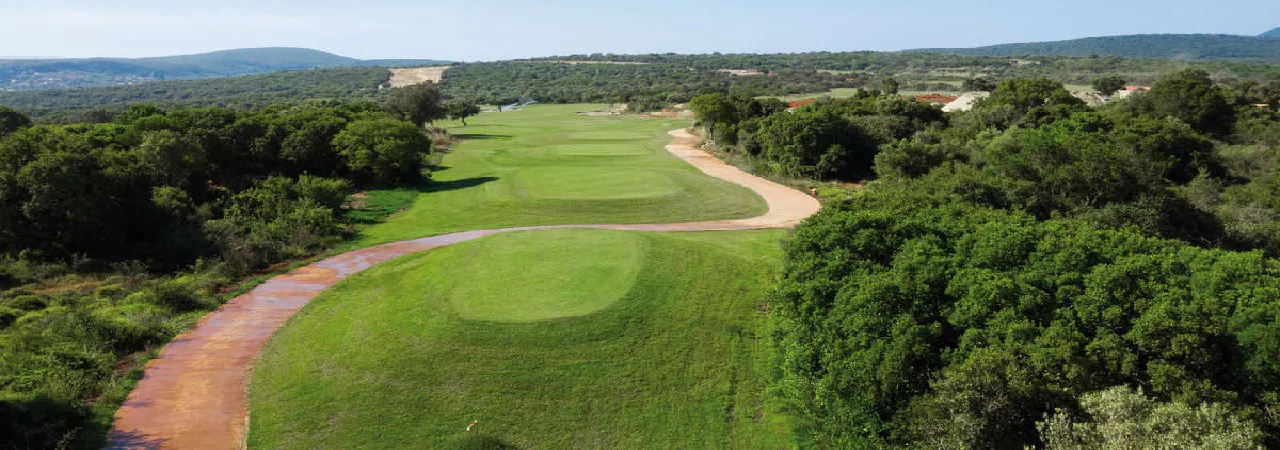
193	395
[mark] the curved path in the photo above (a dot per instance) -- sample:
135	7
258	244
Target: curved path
192	395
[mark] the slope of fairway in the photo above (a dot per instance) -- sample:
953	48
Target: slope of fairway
610	340
547	165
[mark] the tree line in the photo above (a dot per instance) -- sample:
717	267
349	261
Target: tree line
1014	275
117	236
647	86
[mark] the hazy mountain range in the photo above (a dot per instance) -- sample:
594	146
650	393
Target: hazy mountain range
57	73
1177	46
31	74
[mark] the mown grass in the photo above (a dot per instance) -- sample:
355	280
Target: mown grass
547	165
638	340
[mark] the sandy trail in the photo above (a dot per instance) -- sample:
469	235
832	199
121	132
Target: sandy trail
416	75
193	396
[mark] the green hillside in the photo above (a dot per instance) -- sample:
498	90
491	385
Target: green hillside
1180	46
1273	33
244	92
33	74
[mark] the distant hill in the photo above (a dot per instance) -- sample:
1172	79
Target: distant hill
1171	46
241	92
35	74
1272	33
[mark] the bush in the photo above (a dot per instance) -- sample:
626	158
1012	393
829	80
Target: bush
907	319
1121	418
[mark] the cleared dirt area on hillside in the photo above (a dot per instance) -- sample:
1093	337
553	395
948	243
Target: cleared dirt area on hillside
416	75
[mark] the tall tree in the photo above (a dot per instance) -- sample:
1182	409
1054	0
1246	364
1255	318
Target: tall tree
11	120
1109	85
420	103
383	150
461	110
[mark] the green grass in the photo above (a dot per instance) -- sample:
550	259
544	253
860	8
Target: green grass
377	205
546	165
834	93
550	339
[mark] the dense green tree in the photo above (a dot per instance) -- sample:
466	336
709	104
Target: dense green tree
908	319
461	110
383	150
888	85
173	157
419	103
715	109
908	159
1190	96
978	84
1029	102
1109	85
11	120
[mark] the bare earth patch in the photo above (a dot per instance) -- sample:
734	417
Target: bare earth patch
416	75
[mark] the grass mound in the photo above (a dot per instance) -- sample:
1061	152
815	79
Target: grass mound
388	359
562	273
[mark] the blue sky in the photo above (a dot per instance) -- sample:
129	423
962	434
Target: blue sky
474	30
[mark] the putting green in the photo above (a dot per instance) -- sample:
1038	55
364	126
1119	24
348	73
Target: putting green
595	183
562	273
659	344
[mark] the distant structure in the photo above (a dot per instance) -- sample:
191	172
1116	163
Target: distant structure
965	101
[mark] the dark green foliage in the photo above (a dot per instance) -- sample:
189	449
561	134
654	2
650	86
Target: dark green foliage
978	84
419	103
1029	102
11	120
278	219
461	110
1109	85
1190	96
831	139
1015	265
383	149
906	319
98	222
888	85
549	82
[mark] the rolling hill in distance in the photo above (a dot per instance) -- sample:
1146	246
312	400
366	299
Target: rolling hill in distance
1174	46
37	74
